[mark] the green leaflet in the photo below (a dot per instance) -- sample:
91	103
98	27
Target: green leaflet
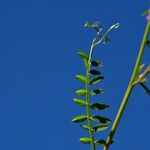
79	118
145	13
97	91
100	142
81	92
83	55
98	106
100	127
85	140
100	119
140	68
148	43
96	63
146	89
94	72
96	79
81	78
86	127
80	102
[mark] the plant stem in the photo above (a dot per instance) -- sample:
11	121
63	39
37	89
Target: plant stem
129	89
88	99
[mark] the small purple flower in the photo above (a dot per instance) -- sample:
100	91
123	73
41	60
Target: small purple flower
148	17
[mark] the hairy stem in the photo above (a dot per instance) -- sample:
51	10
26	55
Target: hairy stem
88	99
129	89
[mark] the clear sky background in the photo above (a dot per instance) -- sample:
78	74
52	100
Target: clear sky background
38	45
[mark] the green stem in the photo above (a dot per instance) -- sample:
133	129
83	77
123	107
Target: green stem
88	99
129	89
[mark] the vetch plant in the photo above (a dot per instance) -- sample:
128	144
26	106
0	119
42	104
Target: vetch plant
92	77
96	123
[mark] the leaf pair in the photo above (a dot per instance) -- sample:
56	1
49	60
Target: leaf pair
92	81
95	106
85	56
83	92
97	128
99	119
87	140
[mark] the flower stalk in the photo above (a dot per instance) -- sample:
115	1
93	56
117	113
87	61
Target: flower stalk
129	89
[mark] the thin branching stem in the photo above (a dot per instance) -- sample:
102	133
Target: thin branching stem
129	89
115	26
143	75
94	43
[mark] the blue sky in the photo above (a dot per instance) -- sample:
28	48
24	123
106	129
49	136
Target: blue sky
38	62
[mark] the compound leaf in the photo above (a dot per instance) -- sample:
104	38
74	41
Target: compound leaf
86	127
